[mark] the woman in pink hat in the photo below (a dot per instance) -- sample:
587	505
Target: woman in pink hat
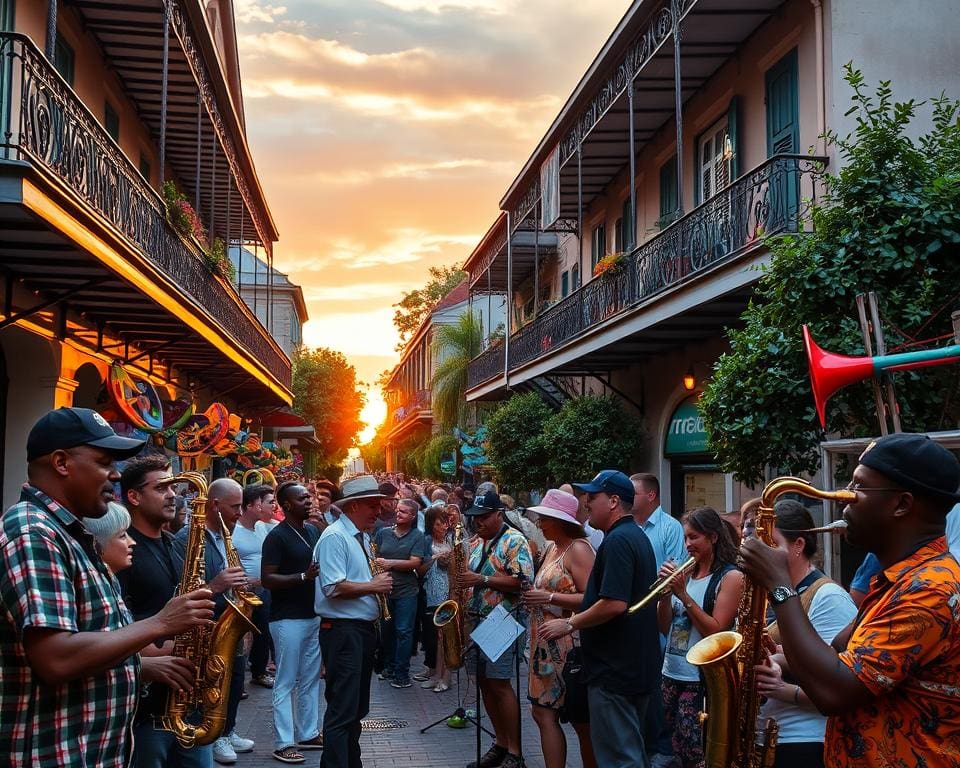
557	592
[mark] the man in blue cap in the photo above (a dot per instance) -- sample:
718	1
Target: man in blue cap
899	661
621	650
68	645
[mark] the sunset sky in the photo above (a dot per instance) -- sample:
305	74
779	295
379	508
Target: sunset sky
385	133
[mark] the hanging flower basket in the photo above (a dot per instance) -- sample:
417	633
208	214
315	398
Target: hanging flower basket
612	262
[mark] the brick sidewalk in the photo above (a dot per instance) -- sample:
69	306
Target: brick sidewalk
439	747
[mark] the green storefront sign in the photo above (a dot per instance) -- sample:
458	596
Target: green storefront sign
686	433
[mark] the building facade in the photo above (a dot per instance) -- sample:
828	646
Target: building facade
632	236
106	270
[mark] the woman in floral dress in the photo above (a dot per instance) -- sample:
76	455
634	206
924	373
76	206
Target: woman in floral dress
557	592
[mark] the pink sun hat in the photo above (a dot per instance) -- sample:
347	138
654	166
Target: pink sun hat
559	505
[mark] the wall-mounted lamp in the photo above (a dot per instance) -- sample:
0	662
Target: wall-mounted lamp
689	380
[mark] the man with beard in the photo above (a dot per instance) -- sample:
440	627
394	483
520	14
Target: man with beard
888	683
347	604
224	503
68	645
289	573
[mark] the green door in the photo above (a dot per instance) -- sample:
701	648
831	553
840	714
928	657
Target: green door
783	138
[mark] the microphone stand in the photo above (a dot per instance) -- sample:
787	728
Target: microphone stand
460	712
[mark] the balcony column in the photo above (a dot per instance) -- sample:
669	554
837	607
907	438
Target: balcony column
256	273
213	188
678	101
489	307
230	215
243	212
164	86
506	340
580	209
633	171
536	259
196	180
51	49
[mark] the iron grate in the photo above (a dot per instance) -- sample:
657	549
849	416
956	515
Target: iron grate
382	723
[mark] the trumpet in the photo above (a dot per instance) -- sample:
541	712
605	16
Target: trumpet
662	585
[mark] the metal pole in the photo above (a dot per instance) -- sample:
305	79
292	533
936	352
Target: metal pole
633	175
164	86
489	307
213	187
230	215
580	208
199	151
509	307
678	98
256	269
240	251
536	261
51	30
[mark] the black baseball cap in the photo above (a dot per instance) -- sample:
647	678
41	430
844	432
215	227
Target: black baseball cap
611	482
917	463
482	505
70	427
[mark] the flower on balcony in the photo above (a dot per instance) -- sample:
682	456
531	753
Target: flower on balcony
186	221
218	262
612	262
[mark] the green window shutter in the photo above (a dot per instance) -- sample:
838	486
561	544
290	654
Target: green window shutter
111	121
564	284
64	60
783	107
733	130
668	192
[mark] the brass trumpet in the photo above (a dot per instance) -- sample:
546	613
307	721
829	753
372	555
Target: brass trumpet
662	585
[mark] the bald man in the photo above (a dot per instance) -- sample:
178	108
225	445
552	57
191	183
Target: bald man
224	505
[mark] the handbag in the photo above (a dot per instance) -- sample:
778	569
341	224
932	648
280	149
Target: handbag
575	708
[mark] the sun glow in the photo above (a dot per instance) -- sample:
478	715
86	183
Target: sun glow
373	414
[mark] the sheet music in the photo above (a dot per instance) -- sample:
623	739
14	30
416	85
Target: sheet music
496	633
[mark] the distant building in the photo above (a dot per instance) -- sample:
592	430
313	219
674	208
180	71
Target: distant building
275	300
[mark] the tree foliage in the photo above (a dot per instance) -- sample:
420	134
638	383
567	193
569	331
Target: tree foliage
455	345
589	434
417	304
517	451
890	223
374	452
326	395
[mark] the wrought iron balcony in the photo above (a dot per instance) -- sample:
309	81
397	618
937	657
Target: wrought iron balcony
486	365
45	124
771	199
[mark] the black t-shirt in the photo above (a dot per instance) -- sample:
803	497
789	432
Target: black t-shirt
623	655
285	549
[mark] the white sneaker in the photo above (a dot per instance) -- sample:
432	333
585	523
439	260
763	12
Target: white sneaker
239	743
223	752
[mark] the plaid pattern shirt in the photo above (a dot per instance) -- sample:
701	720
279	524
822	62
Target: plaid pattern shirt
51	577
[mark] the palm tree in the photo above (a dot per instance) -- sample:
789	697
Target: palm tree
454	345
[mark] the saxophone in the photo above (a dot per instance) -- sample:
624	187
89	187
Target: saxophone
448	618
376	570
728	659
212	650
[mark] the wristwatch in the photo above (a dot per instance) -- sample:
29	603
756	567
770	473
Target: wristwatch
780	595
486	579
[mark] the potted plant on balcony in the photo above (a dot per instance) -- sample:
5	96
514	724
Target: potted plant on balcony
185	220
612	263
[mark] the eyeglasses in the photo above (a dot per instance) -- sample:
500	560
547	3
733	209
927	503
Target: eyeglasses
857	488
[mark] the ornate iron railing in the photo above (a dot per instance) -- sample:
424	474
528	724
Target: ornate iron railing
773	198
486	365
43	122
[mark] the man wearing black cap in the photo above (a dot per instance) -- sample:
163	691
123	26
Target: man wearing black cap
68	645
619	682
889	684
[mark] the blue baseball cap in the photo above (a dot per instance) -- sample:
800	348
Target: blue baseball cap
612	482
70	427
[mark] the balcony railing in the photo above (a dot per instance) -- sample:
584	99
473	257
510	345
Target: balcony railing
771	199
43	122
486	365
420	401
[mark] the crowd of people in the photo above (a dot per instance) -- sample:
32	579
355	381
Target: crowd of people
349	578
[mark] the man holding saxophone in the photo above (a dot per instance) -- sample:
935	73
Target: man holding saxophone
348	602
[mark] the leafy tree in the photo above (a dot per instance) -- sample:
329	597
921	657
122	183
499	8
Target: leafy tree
455	345
589	434
890	223
326	395
517	451
433	452
416	305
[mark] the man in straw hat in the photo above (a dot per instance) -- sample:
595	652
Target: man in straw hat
346	602
68	645
899	661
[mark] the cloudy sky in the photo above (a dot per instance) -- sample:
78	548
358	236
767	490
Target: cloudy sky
386	131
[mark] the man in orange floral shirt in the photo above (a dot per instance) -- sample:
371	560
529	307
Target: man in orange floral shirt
891	683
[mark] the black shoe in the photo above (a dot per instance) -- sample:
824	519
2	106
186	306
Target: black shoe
492	759
512	761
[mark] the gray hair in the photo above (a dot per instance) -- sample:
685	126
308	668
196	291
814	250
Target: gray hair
105	528
487	485
409	504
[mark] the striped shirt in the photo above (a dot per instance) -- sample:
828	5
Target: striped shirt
51	578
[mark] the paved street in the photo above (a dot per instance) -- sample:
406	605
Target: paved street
406	746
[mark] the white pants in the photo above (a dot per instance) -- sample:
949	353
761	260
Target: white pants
296	687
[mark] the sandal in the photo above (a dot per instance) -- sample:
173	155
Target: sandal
315	743
288	755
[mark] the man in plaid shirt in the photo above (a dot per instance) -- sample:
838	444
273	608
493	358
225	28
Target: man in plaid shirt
68	646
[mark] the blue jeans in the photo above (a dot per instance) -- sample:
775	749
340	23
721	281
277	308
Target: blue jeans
616	728
154	748
297	682
398	637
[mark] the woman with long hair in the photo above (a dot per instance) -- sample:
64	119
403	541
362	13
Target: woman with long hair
830	609
557	592
436	586
697	605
